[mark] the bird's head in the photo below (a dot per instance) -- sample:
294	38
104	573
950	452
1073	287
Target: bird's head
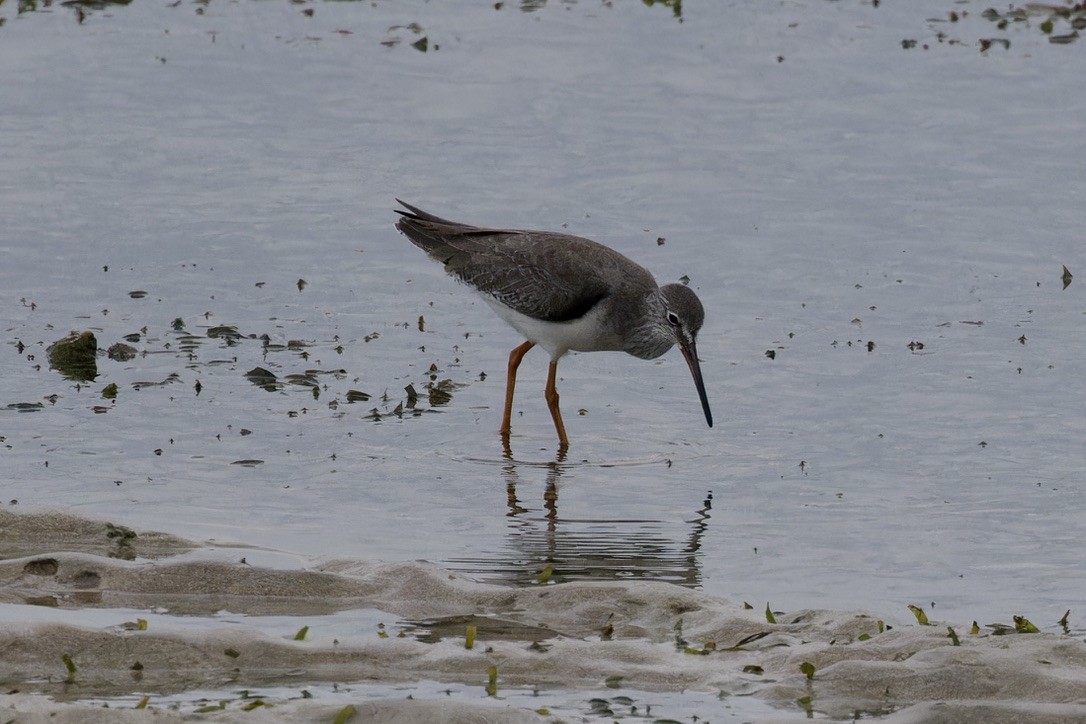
684	316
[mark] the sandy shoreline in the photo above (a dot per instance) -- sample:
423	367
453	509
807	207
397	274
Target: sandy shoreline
216	623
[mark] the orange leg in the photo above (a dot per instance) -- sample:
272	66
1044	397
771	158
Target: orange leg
551	393
510	382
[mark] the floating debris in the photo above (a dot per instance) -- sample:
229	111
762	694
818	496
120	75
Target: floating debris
1054	16
440	393
26	406
75	356
224	332
1063	39
263	378
170	379
987	43
250	463
122	352
306	379
675	5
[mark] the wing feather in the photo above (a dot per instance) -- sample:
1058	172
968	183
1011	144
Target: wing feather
544	275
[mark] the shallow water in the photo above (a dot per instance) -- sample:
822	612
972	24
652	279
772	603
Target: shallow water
823	188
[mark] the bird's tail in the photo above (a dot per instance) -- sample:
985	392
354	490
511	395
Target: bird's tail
438	237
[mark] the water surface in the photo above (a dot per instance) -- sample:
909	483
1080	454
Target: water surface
891	223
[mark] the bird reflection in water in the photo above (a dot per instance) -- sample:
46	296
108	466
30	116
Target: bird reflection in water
543	546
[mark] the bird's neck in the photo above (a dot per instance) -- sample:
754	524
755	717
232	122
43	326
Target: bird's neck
648	335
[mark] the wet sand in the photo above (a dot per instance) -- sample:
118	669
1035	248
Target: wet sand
214	620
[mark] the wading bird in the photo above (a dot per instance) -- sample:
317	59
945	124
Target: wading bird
563	293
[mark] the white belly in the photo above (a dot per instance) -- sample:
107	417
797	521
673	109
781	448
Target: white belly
590	333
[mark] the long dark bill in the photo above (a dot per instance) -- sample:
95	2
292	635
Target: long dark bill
690	352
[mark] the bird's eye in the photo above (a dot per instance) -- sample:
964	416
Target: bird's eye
673	319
